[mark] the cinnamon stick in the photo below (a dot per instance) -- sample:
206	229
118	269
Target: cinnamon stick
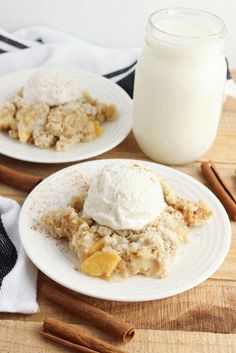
19	180
69	335
114	327
220	188
66	343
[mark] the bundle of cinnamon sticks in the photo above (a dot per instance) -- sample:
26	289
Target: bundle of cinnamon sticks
72	337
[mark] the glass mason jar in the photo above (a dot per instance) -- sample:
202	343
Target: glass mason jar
179	85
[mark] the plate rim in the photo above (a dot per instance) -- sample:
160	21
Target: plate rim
88	155
212	269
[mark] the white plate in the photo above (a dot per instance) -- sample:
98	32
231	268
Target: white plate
99	87
195	262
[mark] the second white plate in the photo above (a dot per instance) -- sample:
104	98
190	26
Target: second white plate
195	262
100	88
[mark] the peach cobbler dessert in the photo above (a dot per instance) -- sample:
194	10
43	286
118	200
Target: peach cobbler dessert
51	111
126	223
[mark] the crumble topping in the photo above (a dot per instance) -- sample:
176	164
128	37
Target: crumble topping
58	126
147	251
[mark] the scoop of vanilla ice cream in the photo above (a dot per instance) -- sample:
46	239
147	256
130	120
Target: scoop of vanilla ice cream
124	196
52	87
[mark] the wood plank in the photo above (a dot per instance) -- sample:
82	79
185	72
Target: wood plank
204	308
224	147
23	337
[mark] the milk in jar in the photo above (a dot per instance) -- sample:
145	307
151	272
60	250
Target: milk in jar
179	85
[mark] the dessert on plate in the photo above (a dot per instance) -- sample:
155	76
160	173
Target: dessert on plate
127	222
52	111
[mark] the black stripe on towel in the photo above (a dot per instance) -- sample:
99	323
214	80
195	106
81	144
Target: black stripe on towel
229	77
8	253
127	83
121	71
39	40
2	51
12	42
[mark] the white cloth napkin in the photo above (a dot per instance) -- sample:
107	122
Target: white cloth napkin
18	276
46	47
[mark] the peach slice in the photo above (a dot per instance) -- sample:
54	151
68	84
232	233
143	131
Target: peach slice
97	127
101	264
24	135
96	247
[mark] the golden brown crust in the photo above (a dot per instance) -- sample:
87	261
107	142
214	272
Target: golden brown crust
194	213
59	127
7	114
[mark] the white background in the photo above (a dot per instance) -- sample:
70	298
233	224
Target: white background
111	23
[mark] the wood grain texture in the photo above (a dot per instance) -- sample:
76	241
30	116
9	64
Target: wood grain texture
209	307
23	337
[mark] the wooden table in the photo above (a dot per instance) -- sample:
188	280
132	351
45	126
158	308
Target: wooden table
201	320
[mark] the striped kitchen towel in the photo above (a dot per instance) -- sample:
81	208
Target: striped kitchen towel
18	276
39	46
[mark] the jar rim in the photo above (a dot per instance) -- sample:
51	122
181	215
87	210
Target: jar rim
173	11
